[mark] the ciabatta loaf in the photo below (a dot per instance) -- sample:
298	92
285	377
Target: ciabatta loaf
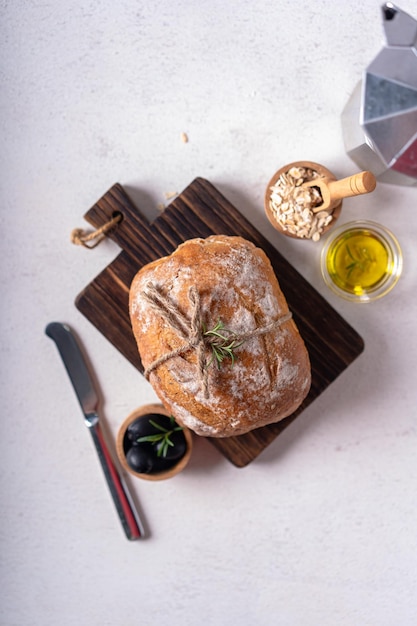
216	338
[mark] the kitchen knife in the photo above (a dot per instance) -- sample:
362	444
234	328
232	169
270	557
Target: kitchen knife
84	388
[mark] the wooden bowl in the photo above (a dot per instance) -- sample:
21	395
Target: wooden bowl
172	471
323	172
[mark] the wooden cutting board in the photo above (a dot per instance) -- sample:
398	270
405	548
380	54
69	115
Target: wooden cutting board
199	211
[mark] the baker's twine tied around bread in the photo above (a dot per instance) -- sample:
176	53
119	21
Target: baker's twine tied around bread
192	330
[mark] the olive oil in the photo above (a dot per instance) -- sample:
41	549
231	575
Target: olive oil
361	261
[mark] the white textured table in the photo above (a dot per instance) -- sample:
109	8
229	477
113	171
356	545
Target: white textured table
321	528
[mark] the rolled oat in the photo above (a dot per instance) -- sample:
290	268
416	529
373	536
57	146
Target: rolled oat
291	204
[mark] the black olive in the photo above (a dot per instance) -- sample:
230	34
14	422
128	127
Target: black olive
177	451
141	459
146	457
161	464
141	427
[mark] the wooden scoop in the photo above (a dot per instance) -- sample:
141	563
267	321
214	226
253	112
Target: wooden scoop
332	191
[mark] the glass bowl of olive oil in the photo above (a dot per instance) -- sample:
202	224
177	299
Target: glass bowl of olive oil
361	261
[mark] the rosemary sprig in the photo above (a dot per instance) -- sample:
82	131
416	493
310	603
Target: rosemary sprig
360	262
162	438
222	343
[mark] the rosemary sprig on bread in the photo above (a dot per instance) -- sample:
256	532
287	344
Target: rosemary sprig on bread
222	342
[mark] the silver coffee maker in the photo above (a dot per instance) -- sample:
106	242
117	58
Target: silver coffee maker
379	121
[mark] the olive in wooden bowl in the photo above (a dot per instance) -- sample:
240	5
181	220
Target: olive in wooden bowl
152	445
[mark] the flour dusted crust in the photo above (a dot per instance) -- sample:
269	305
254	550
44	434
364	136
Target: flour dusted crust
236	283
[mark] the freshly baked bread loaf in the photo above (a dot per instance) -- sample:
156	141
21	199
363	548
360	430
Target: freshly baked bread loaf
182	305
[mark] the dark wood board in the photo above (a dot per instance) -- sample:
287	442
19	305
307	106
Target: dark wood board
200	211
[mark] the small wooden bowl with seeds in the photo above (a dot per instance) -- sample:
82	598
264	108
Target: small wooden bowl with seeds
293	209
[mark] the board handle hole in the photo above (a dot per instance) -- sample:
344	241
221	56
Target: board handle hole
117	215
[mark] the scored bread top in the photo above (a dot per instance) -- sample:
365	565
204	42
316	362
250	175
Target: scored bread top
236	284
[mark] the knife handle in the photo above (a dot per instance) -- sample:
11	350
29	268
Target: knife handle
124	505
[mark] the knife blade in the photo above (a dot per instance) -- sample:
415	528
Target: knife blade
85	391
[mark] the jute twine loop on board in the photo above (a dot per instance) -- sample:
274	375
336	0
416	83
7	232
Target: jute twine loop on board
90	240
192	331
